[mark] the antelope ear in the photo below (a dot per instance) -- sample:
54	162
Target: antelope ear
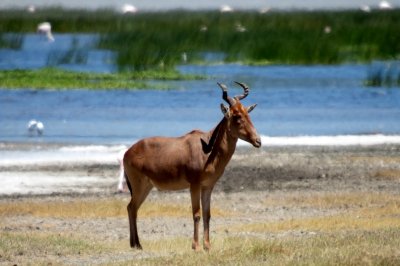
225	110
250	108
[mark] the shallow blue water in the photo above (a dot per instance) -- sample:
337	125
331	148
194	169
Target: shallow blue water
292	101
38	52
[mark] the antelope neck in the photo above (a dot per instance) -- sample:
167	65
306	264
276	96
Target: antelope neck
221	139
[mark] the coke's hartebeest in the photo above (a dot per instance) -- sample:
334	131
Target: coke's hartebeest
195	161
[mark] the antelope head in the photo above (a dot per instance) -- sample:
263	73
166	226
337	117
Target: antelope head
237	115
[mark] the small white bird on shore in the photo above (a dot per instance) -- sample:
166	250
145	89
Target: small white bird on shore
45	29
35	127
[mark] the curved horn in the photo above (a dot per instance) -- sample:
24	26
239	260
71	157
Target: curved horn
225	96
246	91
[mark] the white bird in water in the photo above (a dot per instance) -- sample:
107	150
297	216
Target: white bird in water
31	9
35	127
327	29
225	9
239	27
365	8
45	28
129	9
385	5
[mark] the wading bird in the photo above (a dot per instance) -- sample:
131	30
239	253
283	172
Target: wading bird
195	161
128	9
35	127
385	5
45	28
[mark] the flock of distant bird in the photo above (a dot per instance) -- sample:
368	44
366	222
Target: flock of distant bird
44	28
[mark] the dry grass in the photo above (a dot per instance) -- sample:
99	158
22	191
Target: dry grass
379	247
375	159
17	245
352	248
388	174
99	208
353	211
361	229
333	200
327	224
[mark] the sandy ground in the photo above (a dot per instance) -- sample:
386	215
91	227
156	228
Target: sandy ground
266	169
251	177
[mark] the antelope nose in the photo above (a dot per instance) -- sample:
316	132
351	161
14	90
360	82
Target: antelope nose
257	143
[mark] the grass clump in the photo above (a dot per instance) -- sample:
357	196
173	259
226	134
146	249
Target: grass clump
388	174
52	78
15	245
11	41
384	74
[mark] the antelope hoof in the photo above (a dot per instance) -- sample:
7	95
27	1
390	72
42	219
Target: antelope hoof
207	246
195	246
136	246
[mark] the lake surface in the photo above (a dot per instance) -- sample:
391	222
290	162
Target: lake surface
69	51
293	101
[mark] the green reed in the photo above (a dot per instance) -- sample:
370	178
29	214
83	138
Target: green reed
11	41
160	40
383	74
74	55
149	40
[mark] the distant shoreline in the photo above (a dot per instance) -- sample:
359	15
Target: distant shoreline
364	140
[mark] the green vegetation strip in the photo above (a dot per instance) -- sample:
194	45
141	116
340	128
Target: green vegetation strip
147	40
52	78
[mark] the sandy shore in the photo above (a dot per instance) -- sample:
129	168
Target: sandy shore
259	186
266	169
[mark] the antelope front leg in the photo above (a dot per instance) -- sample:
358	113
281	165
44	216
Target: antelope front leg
205	205
195	196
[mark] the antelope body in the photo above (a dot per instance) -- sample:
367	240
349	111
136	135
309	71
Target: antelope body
195	161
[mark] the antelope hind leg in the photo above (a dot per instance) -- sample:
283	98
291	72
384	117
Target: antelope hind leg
140	190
